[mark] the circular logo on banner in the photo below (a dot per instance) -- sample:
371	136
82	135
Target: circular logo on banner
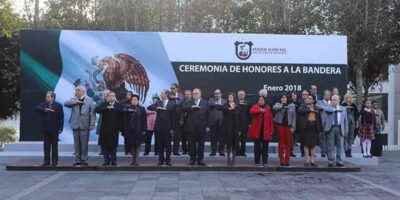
243	49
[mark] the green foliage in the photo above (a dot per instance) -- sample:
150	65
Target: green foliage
9	67
7	135
9	22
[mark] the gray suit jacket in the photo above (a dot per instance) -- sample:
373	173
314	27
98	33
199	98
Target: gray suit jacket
328	118
279	111
85	118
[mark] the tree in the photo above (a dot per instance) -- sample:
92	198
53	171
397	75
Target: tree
372	28
9	66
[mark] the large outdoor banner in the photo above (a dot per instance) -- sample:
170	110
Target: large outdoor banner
148	62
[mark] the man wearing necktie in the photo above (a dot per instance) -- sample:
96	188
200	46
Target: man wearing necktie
52	118
197	126
325	102
177	98
164	126
82	121
215	121
336	126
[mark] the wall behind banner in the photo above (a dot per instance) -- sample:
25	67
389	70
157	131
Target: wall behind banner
146	63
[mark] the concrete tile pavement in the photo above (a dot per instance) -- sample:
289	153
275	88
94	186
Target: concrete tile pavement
374	182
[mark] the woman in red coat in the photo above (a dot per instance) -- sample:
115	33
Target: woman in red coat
260	130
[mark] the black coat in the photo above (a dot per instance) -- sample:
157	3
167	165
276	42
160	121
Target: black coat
184	115
309	132
51	122
165	120
111	124
134	125
244	117
216	114
230	125
197	118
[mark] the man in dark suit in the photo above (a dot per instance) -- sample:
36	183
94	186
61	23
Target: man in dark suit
164	126
314	92
215	121
182	121
52	117
110	127
177	98
244	121
197	124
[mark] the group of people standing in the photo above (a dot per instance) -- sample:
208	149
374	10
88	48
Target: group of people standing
183	122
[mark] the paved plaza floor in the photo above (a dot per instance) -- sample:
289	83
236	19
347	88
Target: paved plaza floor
380	181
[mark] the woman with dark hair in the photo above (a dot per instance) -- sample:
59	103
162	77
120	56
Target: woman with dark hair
285	123
151	120
230	126
367	127
134	126
261	129
309	128
294	99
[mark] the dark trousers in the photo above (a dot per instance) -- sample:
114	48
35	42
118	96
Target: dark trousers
135	153
261	151
176	140
109	155
185	142
164	145
147	141
126	149
196	146
50	146
241	150
216	139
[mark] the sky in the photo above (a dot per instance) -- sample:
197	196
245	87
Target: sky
18	5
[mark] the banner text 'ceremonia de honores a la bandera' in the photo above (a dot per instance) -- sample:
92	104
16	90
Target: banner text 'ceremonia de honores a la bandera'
107	60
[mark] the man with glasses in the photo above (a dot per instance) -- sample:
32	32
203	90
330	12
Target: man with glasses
215	121
197	125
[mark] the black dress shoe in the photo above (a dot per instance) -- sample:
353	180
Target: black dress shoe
146	153
293	155
168	163
45	165
339	165
201	163
192	162
76	164
177	154
330	165
314	165
323	155
221	154
134	163
113	164
213	154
